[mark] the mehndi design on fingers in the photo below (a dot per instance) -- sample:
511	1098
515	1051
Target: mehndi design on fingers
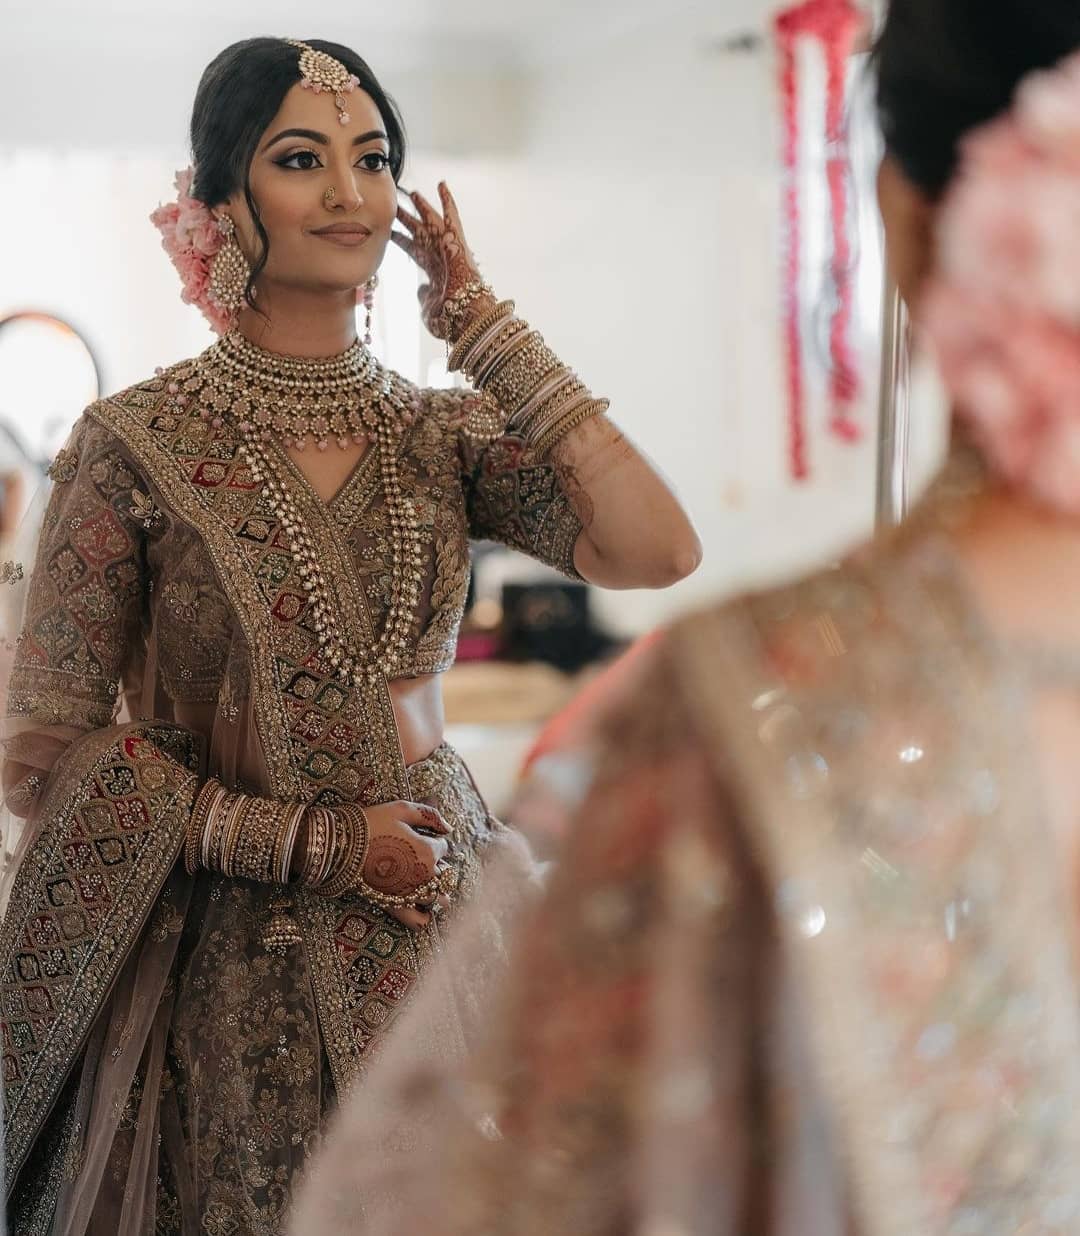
437	244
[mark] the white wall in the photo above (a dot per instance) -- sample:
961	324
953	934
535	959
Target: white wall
640	231
627	197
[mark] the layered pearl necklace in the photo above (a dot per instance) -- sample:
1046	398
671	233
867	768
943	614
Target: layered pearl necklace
347	399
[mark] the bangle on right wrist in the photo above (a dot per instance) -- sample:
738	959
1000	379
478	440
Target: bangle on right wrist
241	835
320	847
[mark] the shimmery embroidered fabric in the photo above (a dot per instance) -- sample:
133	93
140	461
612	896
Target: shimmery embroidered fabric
187	1089
803	971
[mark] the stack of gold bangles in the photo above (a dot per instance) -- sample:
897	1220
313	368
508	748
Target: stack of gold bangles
247	837
543	399
337	848
241	835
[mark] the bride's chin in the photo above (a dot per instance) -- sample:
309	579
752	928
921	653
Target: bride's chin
338	288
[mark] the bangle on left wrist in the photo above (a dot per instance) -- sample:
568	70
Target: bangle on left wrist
475	298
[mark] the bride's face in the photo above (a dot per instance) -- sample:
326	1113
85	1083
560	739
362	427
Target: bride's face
908	215
320	240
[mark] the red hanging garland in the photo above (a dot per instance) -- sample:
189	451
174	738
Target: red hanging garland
836	24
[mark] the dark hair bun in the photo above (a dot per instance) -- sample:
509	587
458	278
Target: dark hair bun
946	66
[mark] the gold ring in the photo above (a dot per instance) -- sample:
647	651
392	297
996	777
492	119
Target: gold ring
330	194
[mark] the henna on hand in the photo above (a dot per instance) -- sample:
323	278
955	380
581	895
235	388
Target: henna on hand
571	485
432	820
437	244
394	865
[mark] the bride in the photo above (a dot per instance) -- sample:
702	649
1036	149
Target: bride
223	738
808	963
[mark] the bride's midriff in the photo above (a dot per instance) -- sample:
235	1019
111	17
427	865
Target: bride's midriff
418	709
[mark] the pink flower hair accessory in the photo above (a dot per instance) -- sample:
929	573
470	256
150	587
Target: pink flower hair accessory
1003	311
192	237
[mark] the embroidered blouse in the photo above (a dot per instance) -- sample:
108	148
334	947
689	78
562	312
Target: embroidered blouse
123	564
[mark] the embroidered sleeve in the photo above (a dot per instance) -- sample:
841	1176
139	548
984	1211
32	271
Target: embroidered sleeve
513	498
84	614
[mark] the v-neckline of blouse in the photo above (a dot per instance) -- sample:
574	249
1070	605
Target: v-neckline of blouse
355	478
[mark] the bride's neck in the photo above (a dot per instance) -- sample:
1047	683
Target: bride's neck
1025	563
301	322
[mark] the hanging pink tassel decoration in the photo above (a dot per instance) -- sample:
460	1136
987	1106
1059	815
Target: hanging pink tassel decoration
836	25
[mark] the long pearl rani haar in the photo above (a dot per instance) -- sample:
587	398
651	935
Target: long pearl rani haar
341	400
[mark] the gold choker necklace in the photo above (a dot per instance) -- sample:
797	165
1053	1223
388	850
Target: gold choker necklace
342	400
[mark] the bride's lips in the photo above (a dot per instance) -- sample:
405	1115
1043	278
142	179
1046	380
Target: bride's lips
349	235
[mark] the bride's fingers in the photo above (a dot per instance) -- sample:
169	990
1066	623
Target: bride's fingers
441	903
426	211
407	220
406	243
427	298
450	209
422	256
414	919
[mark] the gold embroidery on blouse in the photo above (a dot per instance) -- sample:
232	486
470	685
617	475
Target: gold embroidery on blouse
325	737
64	467
144	510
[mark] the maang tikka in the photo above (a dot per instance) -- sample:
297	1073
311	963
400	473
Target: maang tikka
320	72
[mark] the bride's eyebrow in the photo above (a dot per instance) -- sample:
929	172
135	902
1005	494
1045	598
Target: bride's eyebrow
312	135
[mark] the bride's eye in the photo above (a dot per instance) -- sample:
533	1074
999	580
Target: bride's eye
301	161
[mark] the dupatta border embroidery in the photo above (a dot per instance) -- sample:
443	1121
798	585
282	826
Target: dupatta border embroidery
79	902
132	425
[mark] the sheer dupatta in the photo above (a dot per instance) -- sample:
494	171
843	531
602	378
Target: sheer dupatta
95	810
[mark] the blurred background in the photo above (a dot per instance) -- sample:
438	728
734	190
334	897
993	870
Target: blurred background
618	167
